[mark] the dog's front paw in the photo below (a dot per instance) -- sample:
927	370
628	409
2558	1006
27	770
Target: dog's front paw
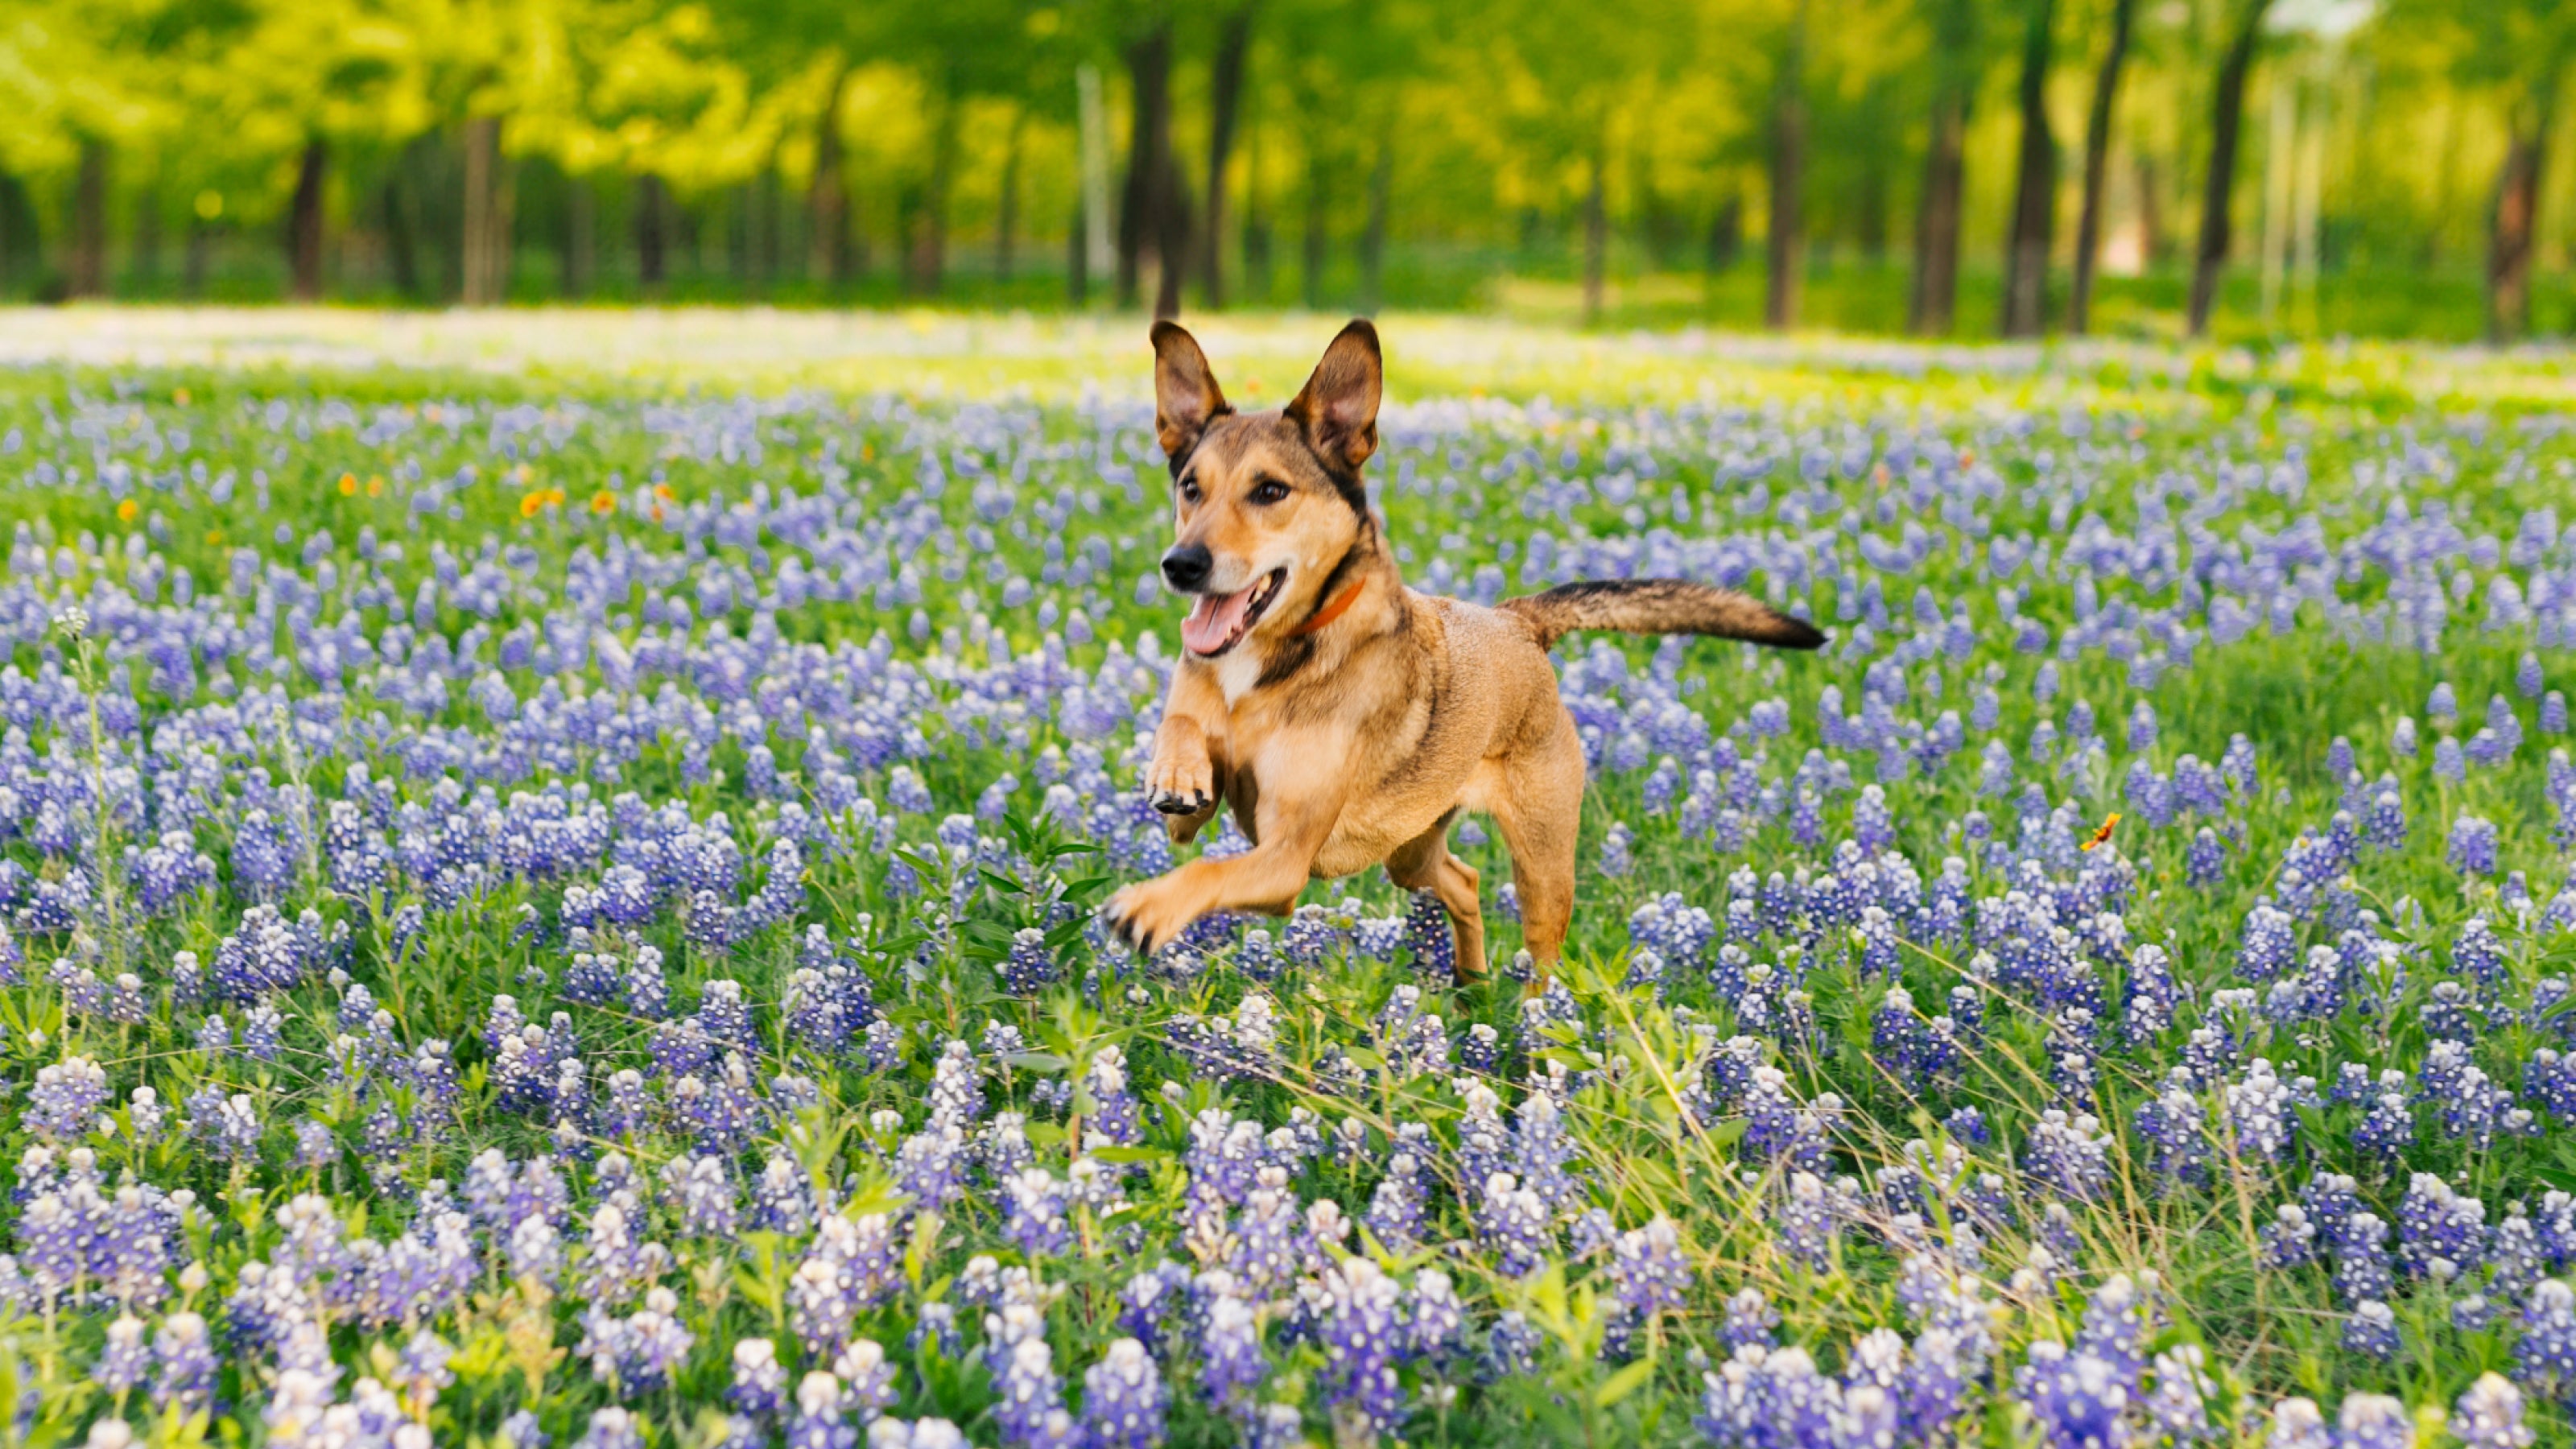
1183	785
1145	918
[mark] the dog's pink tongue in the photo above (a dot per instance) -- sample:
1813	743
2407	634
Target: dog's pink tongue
1213	620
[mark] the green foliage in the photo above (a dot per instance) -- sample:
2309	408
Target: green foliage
1416	151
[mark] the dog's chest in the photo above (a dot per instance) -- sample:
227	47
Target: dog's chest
1236	673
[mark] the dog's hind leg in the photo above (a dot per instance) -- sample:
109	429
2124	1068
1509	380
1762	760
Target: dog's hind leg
1424	863
1539	809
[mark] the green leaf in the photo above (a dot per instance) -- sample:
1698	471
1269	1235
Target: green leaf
1623	1383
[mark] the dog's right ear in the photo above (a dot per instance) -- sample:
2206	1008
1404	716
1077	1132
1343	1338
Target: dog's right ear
1186	397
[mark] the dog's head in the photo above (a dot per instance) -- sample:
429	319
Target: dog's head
1265	506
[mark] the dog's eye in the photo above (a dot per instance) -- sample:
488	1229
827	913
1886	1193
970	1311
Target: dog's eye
1269	490
1189	490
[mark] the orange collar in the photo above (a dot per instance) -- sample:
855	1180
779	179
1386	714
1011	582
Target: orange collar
1334	610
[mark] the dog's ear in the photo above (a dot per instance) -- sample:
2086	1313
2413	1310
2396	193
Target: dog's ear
1186	398
1338	405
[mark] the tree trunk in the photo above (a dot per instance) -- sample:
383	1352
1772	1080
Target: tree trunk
926	265
2446	172
2151	213
489	202
1256	223
1725	233
773	226
193	257
89	221
2226	124
2280	177
2097	166
827	234
1149	157
1006	225
650	225
1373	240
1225	103
1870	205
1077	256
399	233
147	242
2035	186
304	223
1098	250
1596	232
1932	308
739	241
18	239
2515	222
580	236
1318	218
1172	248
1787	236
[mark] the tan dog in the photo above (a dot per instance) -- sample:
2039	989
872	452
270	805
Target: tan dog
1346	718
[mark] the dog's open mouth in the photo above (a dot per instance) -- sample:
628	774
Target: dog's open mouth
1218	622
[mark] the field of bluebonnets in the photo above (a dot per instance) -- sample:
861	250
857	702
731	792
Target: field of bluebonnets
562	912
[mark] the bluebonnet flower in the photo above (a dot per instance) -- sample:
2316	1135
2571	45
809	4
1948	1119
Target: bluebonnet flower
1361	1339
126	1360
1122	1400
818	1421
1428	937
1616	858
863	1378
185	1363
761	1383
2371	1331
1037	1217
1231	1369
2374	1421
2440	1233
638	1353
2488	1415
1648	1270
2077	1399
853	1263
66	1099
1030	1395
2545	1354
2258	1113
2472	849
2069	1153
1028	967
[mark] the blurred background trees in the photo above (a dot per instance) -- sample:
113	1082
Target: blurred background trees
2254	166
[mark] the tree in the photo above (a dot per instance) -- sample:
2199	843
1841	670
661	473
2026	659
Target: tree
1225	104
2226	126
2512	55
1153	210
2097	163
1954	63
1788	178
2034	184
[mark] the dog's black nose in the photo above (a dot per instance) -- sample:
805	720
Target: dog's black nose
1186	566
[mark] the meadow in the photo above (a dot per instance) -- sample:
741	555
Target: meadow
549	871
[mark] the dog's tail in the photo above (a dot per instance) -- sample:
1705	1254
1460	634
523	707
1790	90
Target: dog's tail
1659	606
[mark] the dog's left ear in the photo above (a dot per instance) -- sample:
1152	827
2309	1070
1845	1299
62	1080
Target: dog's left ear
1338	405
1186	397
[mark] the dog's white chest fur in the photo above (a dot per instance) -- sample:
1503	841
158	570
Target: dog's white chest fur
1236	673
